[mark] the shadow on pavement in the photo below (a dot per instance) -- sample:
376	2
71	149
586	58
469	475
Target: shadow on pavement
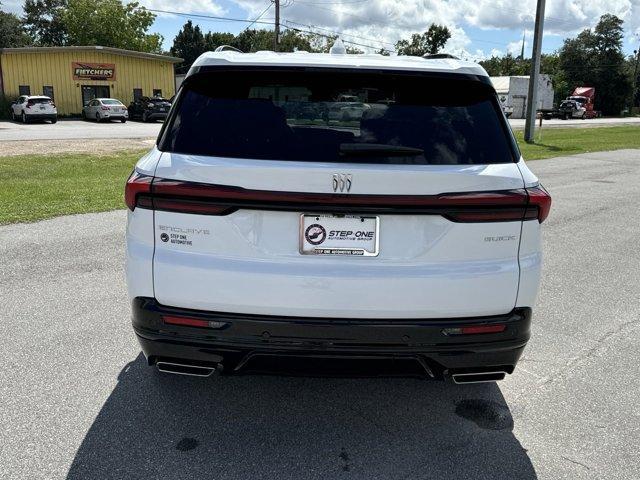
163	426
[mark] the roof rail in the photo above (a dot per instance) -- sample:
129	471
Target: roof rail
435	56
227	48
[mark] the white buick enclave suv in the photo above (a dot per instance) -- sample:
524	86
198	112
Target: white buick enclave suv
266	232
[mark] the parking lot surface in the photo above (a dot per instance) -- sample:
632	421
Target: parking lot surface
79	129
77	400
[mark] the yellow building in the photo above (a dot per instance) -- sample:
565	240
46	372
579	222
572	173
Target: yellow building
72	76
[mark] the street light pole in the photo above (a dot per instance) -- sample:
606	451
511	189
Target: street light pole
532	103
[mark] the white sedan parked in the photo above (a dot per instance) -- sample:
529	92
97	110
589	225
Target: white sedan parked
28	108
100	109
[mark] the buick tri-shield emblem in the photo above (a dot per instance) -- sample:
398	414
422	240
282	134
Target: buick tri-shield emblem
341	182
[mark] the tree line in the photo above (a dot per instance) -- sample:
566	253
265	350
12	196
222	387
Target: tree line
593	58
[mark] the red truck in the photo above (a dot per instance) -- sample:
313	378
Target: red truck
583	97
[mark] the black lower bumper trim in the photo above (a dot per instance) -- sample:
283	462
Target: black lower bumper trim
246	343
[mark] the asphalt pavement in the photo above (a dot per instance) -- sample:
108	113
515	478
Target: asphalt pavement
77	400
79	129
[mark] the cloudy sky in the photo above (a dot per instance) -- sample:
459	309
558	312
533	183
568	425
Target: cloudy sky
479	28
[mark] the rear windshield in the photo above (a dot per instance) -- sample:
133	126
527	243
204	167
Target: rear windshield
111	102
35	101
158	100
333	116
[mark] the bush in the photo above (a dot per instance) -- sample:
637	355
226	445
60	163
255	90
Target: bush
5	105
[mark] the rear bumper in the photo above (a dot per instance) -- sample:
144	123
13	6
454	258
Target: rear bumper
41	116
243	341
157	115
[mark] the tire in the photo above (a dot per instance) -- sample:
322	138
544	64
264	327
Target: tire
123	120
54	120
13	115
24	117
584	116
144	117
83	115
98	119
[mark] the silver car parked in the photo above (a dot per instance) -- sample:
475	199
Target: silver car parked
100	109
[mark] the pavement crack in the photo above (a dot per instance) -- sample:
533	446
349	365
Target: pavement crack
576	462
590	352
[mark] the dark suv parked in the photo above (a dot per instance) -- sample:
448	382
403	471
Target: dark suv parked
149	109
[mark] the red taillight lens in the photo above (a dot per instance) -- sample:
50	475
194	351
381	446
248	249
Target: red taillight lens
136	185
104	108
185	321
475	329
192	322
541	200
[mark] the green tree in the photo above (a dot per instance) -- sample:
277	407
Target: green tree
214	40
595	59
189	44
43	21
429	42
112	24
12	33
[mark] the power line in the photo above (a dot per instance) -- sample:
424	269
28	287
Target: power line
259	16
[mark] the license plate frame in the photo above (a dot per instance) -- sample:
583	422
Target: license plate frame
332	247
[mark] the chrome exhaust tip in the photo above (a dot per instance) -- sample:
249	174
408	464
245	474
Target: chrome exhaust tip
478	377
185	369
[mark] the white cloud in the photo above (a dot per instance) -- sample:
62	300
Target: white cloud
383	22
208	7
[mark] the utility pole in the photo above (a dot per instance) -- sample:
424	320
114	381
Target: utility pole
276	40
635	78
532	98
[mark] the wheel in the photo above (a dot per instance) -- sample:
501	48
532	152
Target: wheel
54	120
98	119
83	115
584	116
123	120
24	117
144	117
13	115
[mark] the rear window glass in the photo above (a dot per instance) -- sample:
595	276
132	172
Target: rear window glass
35	101
111	102
337	116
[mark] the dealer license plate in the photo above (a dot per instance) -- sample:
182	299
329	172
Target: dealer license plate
339	235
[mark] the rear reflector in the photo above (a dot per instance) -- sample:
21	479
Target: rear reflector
192	322
475	329
207	199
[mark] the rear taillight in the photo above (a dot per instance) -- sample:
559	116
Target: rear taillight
137	184
467	207
192	322
475	329
105	108
540	200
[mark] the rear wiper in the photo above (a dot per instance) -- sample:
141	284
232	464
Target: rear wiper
377	149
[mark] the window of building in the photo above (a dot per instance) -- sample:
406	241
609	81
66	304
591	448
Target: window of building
157	92
137	93
24	90
47	91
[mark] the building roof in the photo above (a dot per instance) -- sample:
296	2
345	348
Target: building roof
116	51
306	59
501	84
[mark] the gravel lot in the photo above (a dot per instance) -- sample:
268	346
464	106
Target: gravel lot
77	400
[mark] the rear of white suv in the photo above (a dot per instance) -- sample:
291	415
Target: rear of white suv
263	229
